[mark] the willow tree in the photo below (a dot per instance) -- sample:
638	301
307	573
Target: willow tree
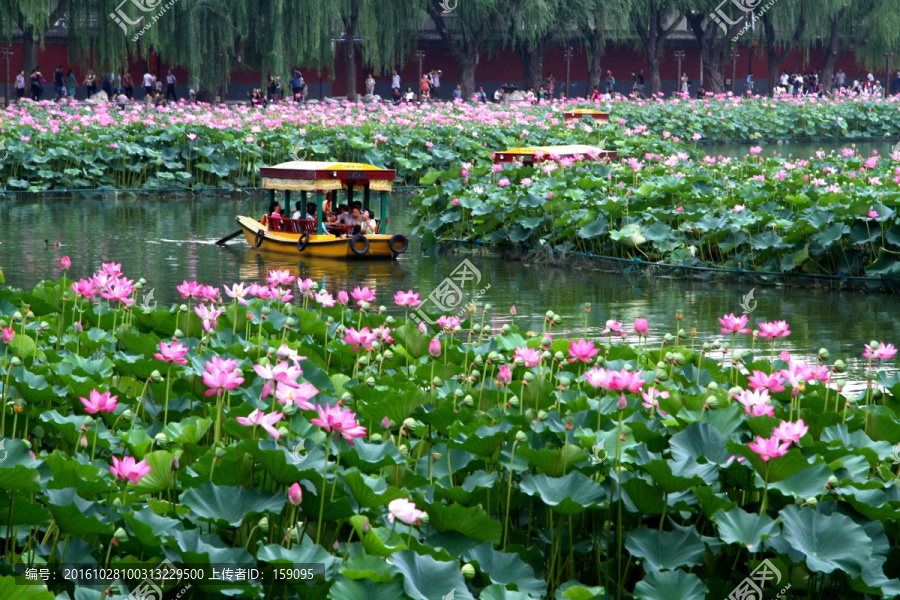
714	26
33	18
387	30
596	23
471	28
654	21
785	29
533	26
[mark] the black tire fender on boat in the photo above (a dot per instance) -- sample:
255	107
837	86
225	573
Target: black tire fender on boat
303	242
398	243
359	239
260	236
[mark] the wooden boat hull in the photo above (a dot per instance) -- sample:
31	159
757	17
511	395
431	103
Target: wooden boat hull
327	246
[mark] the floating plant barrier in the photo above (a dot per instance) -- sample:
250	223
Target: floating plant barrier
50	146
282	424
834	214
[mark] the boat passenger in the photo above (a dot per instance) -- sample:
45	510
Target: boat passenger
298	211
355	220
311	211
330	223
369	224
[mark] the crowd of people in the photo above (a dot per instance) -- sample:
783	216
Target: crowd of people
118	87
345	220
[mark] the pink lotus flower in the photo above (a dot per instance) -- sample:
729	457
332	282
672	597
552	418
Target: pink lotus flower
112	269
769	448
264	420
99	403
503	182
762	381
209	315
582	351
752	399
599	378
404	510
343	298
172	353
408	299
338	420
774	329
282	373
732	324
529	356
385	423
295	494
613	327
238	292
362	295
504	377
434	347
221	375
280	277
872	214
190	289
285	351
129	470
363	337
306	286
455	202
8	335
296	395
448	323
791	432
881	352
512	310
324	299
64	263
84	288
119	290
651	398
641	327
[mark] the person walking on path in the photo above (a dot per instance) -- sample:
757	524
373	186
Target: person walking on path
71	85
128	85
370	85
436	83
148	84
395	80
37	86
20	85
58	84
170	86
610	83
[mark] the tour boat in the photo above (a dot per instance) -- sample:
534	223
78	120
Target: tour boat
581	113
306	236
538	154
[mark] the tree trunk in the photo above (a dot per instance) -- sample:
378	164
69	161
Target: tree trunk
350	23
655	81
30	46
712	47
595	72
713	68
773	57
468	62
835	47
532	64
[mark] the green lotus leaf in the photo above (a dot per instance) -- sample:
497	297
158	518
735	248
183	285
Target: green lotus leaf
670	585
230	505
569	495
424	578
664	550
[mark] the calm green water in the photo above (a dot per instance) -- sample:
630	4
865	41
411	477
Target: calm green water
800	150
167	240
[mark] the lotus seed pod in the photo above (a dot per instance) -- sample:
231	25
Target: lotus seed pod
410	424
182	308
436	456
712	402
840	366
3	323
284	431
390	320
379	357
138	286
682	333
559	356
289	410
486	330
89	420
27	444
220	452
121	535
376	345
468	400
425	518
487	307
479	361
346	396
873	344
565	381
529	376
628	368
521	437
529	414
468	571
476	375
437	382
382	308
365	305
370	381
662	375
841	382
265	310
661	365
38	432
712	385
668	337
546	341
706	346
291	322
833	481
513	401
18	316
824	354
15	361
161	438
458	393
127	414
404	450
330	320
363	360
542	415
669	357
264	525
178	333
549	314
716	345
546	355
376	438
812	501
734	391
679	359
388	354
156	376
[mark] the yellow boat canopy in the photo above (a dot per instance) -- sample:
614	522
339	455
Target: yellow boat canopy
538	153
310	175
578	113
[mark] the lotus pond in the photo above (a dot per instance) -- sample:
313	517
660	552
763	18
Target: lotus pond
284	423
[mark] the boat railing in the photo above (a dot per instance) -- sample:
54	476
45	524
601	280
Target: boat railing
292	225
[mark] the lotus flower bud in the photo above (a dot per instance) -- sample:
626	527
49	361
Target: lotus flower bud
521	437
161	438
178	333
336	545
542	415
121	535
468	571
264	525
366	528
410	424
404	450
622	403
385	423
376	438
840	366
127	414
295	494
712	403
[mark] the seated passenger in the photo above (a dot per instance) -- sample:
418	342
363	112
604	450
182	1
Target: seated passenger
355	220
369	225
298	212
311	211
330	222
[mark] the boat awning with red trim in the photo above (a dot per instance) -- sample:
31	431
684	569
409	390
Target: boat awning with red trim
324	175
